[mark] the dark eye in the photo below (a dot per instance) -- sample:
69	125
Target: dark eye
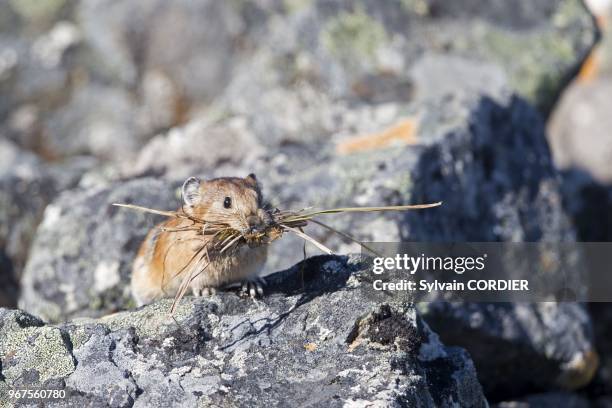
227	203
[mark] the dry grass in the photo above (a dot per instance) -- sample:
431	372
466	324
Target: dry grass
218	238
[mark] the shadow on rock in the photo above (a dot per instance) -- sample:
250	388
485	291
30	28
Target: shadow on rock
498	184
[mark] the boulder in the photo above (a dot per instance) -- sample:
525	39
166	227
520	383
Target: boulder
547	400
81	258
578	130
520	347
27	185
375	53
265	59
498	183
317	338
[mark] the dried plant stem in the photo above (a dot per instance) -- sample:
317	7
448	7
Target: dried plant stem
308	238
345	235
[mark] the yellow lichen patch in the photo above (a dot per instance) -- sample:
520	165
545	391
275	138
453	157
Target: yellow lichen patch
403	133
42	349
310	346
353	36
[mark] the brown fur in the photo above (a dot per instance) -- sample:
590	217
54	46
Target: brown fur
164	257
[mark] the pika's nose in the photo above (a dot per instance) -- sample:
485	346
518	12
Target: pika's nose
254	222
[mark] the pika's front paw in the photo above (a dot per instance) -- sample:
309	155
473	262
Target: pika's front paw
253	288
204	291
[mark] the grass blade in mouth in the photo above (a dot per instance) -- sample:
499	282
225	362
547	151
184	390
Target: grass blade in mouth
345	235
307	216
309	239
148	210
232	242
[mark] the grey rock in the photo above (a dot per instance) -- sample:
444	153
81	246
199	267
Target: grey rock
98	121
578	130
145	35
372	52
488	161
27	185
197	147
539	346
318	338
82	254
267	60
547	400
503	187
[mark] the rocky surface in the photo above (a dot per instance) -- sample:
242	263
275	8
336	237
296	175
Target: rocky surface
330	103
545	345
27	185
58	57
290	348
579	130
486	158
81	259
547	400
579	138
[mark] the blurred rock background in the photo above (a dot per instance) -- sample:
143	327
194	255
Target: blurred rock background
330	103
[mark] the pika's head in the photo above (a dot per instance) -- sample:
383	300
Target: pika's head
234	201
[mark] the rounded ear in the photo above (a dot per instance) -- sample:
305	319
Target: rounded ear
191	191
252	179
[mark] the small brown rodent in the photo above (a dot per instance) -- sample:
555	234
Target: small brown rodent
163	254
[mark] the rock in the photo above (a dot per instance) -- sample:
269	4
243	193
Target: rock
27	185
601	387
371	52
539	346
228	350
267	60
488	161
578	129
97	121
498	183
198	147
495	176
208	32
547	400
82	255
579	138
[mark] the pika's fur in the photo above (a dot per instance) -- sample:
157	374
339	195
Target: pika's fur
159	267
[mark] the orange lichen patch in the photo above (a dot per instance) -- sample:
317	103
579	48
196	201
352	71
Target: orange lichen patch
310	346
590	68
404	133
579	371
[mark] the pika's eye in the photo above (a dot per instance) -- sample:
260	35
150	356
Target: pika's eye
227	203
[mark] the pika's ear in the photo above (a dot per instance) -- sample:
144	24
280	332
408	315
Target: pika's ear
252	179
191	191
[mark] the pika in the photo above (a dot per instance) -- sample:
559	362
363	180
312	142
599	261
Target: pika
161	262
